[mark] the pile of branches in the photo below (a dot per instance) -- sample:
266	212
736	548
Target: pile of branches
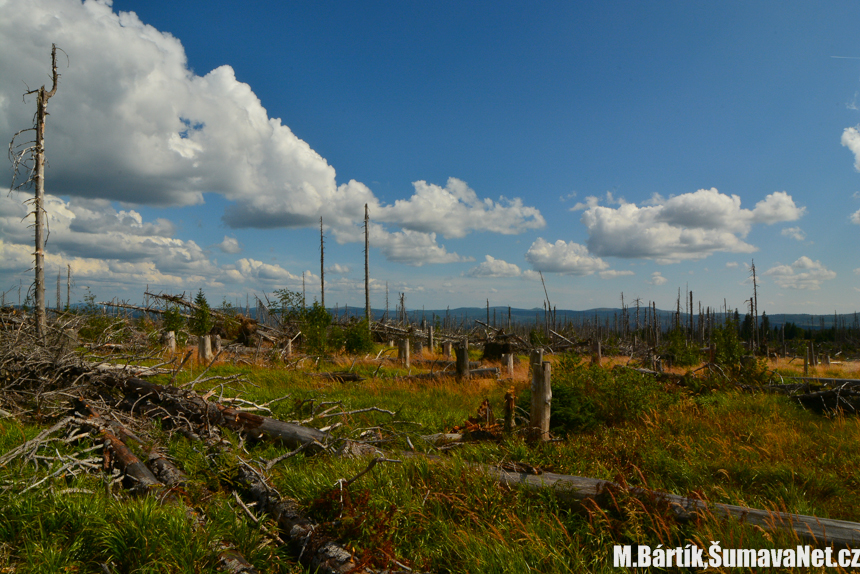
51	382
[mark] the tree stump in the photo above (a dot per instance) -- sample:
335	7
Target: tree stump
403	352
204	349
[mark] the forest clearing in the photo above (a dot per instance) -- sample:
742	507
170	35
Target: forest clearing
308	445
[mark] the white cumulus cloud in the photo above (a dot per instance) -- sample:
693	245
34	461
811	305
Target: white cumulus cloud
492	267
687	226
563	257
851	140
132	123
802	274
230	245
657	279
794	233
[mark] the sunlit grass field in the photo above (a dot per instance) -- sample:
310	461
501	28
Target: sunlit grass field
435	511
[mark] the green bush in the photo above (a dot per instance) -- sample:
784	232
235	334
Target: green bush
684	354
358	338
201	321
172	320
728	346
586	397
317	321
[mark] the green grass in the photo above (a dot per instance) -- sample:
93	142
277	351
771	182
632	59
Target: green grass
443	515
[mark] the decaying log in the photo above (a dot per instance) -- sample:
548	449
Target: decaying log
820	531
142	478
831	400
342	376
474	373
197	409
326	557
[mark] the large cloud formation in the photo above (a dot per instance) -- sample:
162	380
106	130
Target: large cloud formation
563	257
802	274
132	123
687	226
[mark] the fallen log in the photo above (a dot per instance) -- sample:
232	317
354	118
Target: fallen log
141	478
475	373
822	531
324	557
340	376
845	399
229	559
199	410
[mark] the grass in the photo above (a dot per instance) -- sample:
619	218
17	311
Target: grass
702	439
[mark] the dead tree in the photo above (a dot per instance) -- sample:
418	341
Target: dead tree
322	265
366	266
754	307
30	157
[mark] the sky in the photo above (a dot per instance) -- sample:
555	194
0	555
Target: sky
613	147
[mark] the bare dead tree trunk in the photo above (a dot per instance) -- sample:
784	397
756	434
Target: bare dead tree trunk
755	307
37	177
39	210
366	266
322	265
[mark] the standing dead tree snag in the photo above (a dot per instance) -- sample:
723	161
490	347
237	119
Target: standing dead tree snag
29	157
366	266
322	265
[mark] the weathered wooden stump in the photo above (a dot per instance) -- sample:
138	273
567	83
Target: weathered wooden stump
170	341
462	352
508	361
403	353
541	391
204	349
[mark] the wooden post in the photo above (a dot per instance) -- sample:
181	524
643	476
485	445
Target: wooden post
204	349
806	361
288	348
541	391
217	344
827	360
595	357
431	344
171	341
462	352
813	356
403	352
446	349
419	347
510	403
508	360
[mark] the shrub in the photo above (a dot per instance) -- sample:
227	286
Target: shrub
358	338
172	320
317	321
585	397
683	354
201	321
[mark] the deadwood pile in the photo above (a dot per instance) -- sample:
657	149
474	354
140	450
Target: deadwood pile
80	396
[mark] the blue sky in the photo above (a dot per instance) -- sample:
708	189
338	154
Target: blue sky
613	146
